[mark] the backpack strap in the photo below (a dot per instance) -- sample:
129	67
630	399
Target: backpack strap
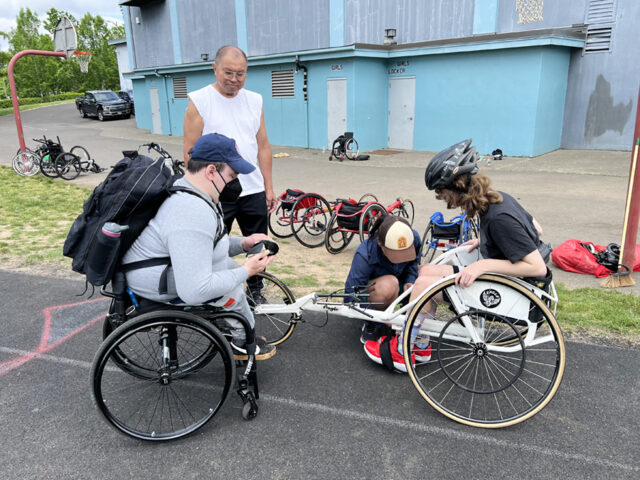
153	262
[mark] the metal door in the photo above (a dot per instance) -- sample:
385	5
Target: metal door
402	101
156	121
337	108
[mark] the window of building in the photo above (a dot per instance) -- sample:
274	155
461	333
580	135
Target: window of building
282	84
600	20
180	87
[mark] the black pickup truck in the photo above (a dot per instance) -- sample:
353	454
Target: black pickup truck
102	104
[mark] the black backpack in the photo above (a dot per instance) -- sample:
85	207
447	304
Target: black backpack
130	196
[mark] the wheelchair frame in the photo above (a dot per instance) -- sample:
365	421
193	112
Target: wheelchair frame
433	243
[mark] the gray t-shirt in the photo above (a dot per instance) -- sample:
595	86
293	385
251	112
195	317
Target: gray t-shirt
184	229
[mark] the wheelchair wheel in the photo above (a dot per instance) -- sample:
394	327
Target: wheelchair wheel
310	216
336	240
503	376
68	166
367	198
429	247
351	149
368	218
177	394
280	222
82	154
276	328
336	149
48	166
26	164
406	211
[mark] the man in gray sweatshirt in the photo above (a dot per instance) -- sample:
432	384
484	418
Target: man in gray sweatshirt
189	229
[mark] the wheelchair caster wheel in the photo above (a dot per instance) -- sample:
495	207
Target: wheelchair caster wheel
250	409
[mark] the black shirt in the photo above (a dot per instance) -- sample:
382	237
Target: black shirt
507	231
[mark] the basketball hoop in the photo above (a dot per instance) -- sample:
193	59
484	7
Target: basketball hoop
83	59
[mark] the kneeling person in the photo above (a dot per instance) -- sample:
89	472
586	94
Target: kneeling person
188	230
385	262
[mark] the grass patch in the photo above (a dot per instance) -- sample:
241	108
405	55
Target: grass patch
35	216
9	110
302	281
592	308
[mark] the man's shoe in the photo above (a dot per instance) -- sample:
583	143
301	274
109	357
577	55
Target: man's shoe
370	331
263	350
372	349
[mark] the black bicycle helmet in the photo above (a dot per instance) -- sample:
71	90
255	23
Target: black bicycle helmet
450	163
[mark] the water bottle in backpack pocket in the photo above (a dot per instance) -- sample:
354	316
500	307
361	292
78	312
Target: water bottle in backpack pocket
104	254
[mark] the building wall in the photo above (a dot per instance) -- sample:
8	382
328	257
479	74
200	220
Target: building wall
555	13
122	54
287	25
414	20
201	33
151	38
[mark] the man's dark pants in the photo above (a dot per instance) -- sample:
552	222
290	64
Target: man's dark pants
251	213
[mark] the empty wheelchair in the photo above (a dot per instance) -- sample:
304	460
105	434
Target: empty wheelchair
164	370
440	236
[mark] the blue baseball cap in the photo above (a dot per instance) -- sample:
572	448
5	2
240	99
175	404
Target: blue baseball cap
214	147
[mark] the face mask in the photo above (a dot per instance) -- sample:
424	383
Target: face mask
231	191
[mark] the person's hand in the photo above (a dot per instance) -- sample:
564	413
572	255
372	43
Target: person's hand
472	244
468	274
251	240
271	201
257	263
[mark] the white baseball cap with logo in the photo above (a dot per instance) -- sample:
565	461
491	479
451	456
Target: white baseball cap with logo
395	238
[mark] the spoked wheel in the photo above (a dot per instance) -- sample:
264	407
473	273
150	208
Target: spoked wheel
275	327
176	396
490	366
351	149
429	245
26	164
405	210
68	166
83	155
336	150
280	222
470	229
310	216
369	217
48	166
336	240
367	198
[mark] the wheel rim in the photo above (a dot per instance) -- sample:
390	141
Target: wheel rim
406	211
276	328
175	400
25	164
335	240
499	380
309	223
280	222
68	166
368	218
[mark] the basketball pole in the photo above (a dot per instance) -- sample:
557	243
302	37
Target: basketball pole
14	92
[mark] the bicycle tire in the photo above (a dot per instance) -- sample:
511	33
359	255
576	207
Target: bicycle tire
309	221
171	387
368	217
509	380
280	222
26	164
336	240
406	210
276	328
68	166
351	149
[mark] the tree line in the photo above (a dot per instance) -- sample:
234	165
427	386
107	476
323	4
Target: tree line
39	76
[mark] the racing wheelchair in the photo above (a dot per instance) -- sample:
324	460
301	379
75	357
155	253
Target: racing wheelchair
440	236
497	352
163	371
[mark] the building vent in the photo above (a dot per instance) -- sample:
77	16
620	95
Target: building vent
600	20
180	87
282	84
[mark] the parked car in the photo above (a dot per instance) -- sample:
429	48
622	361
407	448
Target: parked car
103	104
124	95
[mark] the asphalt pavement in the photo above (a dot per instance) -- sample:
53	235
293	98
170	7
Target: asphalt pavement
326	411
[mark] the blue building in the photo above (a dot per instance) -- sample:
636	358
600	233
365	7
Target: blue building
527	76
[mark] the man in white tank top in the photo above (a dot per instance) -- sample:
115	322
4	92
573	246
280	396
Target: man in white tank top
225	107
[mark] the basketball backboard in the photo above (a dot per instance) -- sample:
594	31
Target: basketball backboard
64	37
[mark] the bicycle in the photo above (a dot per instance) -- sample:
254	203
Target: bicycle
350	218
71	164
497	352
344	146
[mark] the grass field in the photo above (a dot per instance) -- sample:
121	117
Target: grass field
36	213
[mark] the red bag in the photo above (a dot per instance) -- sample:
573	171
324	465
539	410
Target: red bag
573	257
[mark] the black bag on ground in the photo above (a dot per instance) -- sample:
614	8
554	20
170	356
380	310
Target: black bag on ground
609	257
129	196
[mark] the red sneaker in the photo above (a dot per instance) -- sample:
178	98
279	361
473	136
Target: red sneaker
422	355
372	349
